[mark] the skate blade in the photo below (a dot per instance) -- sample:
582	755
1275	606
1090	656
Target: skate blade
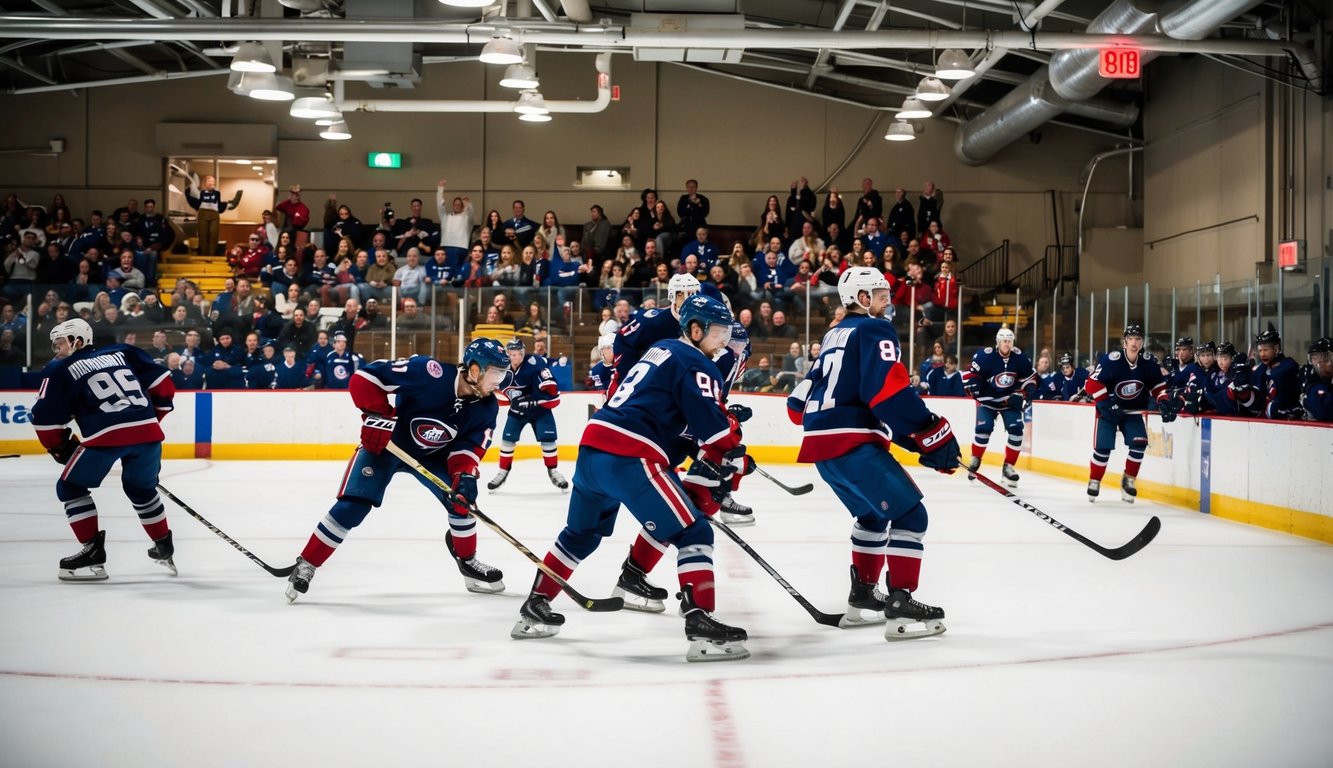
737	521
861	617
639	603
169	564
293	593
1009	483
710	650
483	587
911	629
1127	498
89	573
526	629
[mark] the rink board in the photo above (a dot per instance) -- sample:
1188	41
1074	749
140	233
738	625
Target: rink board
1272	474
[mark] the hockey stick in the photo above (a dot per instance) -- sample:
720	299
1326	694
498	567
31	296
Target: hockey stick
9	456
827	619
799	490
281	573
1140	541
594	604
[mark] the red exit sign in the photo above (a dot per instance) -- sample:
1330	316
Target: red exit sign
1290	254
1118	63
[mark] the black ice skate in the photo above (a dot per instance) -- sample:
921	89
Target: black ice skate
639	593
1127	489
498	480
910	619
973	464
557	479
1008	476
1094	489
865	604
299	582
710	639
536	619
477	576
735	513
88	564
161	553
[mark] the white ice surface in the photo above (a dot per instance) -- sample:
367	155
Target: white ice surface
1212	647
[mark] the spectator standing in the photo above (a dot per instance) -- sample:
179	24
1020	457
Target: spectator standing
800	206
901	217
692	208
21	268
833	213
209	208
339	223
455	223
597	234
524	228
929	207
868	206
414	230
154	230
296	214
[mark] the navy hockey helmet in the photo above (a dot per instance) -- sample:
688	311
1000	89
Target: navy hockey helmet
1134	329
485	352
515	345
1185	341
1269	336
1066	359
1321	346
704	310
1207	348
1226	348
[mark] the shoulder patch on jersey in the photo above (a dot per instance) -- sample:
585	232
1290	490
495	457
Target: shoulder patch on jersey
990	350
546	373
435	369
1113	356
532	359
651	312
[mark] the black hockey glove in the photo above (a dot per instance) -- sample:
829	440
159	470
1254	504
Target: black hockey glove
465	490
63	452
937	445
1109	409
1167	409
716	477
741	412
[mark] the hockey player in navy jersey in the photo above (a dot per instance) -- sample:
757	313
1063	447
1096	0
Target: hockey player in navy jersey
338	366
628	455
116	395
1193	396
1228	391
1185	375
649	326
1002	381
443	416
731	366
1318	396
599	375
533	394
1065	384
1123	385
858	397
1281	386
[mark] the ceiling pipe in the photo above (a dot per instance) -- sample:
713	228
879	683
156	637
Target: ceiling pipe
992	57
118	81
598	104
577	10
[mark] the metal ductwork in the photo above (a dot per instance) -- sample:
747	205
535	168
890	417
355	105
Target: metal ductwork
1072	75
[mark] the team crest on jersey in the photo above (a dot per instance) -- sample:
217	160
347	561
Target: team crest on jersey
340	372
650	526
513	393
990	350
430	433
1004	380
368	471
1114	356
1128	390
435	369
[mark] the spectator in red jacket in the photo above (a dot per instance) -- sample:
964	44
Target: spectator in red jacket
947	289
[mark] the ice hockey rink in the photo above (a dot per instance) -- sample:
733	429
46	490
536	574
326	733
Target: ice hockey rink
1212	647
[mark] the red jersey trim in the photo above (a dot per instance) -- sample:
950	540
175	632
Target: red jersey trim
621	442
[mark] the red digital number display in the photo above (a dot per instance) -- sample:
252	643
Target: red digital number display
1118	63
1289	254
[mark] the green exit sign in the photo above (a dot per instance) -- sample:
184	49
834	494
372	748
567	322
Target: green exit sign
384	160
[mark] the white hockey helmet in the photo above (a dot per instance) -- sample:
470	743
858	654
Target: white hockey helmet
73	330
686	284
606	341
857	279
1004	334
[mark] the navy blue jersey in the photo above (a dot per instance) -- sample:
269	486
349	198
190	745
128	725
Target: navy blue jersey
433	421
533	384
992	378
599	376
315	357
856	388
668	403
1182	377
1281	388
1058	386
731	363
1318	400
1228	393
941	384
1134	385
644	329
230	377
115	394
290	376
261	374
337	369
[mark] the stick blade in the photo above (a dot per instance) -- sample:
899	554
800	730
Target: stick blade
603	604
282	573
1137	543
802	490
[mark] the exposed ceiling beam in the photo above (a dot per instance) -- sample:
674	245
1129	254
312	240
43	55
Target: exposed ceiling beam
821	58
30	72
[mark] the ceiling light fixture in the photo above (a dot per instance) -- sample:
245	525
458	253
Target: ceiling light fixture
531	103
502	49
336	132
931	89
520	76
271	87
541	117
252	57
467	3
954	64
327	121
913	109
900	131
314	107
